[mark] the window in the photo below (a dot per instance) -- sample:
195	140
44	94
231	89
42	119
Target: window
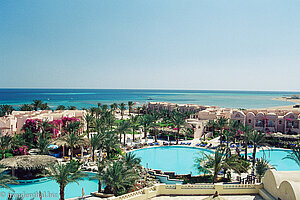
249	121
280	122
271	123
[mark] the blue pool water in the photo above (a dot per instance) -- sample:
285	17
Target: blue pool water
52	188
275	156
176	159
180	159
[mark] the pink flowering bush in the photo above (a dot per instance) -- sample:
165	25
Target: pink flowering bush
22	150
32	125
67	120
55	127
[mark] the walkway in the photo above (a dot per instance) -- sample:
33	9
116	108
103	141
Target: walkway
228	197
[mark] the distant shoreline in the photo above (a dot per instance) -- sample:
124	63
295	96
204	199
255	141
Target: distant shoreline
297	101
290	107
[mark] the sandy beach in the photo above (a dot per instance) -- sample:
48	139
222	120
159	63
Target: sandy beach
291	107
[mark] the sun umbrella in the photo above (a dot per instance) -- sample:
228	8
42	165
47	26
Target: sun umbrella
28	161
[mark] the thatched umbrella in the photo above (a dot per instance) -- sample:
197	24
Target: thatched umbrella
28	162
60	141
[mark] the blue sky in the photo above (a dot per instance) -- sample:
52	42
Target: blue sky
170	44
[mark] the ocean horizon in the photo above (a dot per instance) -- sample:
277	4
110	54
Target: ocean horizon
85	98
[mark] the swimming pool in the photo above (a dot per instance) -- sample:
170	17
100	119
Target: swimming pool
275	156
180	159
176	159
50	188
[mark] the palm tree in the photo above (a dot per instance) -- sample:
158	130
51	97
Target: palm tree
261	167
43	142
36	104
122	107
130	104
119	178
88	119
134	122
123	128
228	137
44	106
45	126
64	174
235	125
71	108
104	108
110	120
144	109
72	141
213	164
178	120
5	142
96	141
256	138
221	124
146	121
113	107
17	141
73	127
93	111
100	125
294	155
100	171
61	107
111	144
246	131
131	160
6	180
156	117
138	109
6	110
213	125
26	107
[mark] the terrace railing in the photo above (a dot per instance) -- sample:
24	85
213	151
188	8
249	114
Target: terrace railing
193	189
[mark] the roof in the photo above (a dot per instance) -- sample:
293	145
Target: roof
28	161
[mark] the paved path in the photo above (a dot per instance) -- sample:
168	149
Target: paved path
228	197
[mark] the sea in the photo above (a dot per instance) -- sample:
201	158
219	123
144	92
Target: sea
86	98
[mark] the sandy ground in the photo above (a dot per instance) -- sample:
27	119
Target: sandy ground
296	101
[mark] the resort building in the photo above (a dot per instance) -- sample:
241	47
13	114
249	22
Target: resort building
171	106
284	121
266	121
13	123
